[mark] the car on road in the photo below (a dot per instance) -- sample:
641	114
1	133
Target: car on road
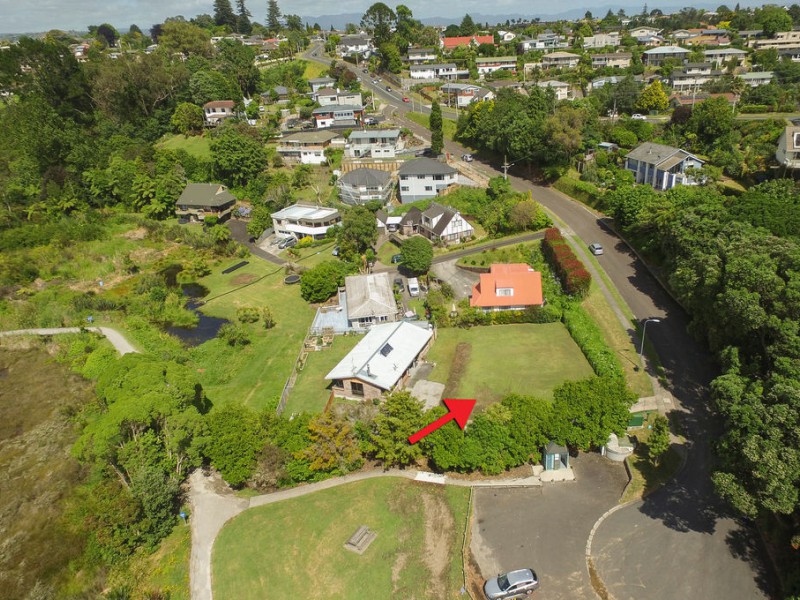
638	117
370	121
514	584
406	99
287	243
388	89
596	249
424	152
365	70
398	283
467	157
376	81
397	258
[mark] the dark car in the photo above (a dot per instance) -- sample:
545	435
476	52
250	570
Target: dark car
397	258
388	89
398	283
514	584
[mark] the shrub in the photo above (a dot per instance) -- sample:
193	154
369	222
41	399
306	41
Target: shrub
572	273
233	335
247	314
587	335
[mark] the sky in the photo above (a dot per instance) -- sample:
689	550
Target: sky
42	15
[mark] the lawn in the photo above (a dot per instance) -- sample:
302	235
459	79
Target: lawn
314	69
310	392
386	251
311	257
195	145
448	125
294	548
534	360
167	569
256	373
520	253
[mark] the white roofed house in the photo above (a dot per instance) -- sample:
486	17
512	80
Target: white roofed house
306	147
619	60
657	56
464	94
601	40
337	115
662	166
300	220
692	77
373	143
561	89
359	186
560	60
354	44
320	83
331	97
217	111
381	362
788	152
370	300
496	63
720	57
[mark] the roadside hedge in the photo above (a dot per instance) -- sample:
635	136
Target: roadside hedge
585	332
582	191
572	273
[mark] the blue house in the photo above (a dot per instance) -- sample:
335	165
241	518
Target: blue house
662	166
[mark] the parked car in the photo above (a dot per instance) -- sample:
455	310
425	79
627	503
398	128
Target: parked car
370	121
413	287
514	584
365	70
466	157
406	99
638	117
398	283
335	251
287	243
397	258
596	249
424	152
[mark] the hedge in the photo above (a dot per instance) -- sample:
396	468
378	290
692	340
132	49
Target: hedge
572	273
582	191
587	335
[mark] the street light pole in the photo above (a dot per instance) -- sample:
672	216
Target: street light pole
644	330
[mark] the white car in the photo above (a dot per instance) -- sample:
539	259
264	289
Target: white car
596	249
638	117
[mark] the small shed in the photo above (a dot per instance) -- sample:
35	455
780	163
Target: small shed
555	457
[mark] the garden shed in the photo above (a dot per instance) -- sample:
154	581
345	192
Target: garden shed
555	457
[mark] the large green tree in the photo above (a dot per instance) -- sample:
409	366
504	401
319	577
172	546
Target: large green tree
437	137
653	97
359	231
416	255
238	154
273	16
380	19
235	438
187	118
224	15
400	416
322	281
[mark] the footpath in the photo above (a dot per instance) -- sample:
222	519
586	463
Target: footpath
122	345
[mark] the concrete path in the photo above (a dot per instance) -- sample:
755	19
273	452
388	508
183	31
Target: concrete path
118	340
213	504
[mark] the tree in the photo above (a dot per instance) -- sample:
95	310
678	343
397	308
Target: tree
238	155
333	447
381	20
238	61
467	26
358	232
322	281
390	58
208	85
235	438
186	38
224	15
437	137
243	24
107	34
416	255
653	97
273	16
187	118
527	215
713	122
658	440
773	19
400	416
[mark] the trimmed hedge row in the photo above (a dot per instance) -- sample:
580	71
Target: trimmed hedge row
473	317
585	332
582	191
572	273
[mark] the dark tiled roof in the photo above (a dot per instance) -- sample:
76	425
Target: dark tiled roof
367	177
425	166
412	217
205	195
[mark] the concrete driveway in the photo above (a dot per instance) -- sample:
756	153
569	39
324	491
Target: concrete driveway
546	528
460	280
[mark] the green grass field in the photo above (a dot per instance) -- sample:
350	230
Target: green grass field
448	125
256	373
195	145
488	363
310	392
386	251
521	253
314	70
294	548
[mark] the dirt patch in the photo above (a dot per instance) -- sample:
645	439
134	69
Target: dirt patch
460	362
597	584
135	234
397	569
243	279
439	533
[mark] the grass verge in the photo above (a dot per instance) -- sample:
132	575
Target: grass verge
448	125
519	253
278	550
645	476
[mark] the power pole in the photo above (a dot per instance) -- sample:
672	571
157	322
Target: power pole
505	167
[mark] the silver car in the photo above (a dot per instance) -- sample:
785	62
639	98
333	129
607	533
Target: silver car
514	584
596	249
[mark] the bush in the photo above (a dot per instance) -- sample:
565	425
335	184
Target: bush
233	335
585	332
247	314
574	277
582	191
321	282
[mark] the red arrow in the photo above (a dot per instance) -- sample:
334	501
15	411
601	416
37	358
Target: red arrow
457	409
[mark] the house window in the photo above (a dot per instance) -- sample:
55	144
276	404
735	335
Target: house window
357	389
404	188
428	188
505	291
337	383
420	176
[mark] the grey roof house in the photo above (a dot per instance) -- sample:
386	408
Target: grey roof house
662	166
201	200
370	300
424	178
359	186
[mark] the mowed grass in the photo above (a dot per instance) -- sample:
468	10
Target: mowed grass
310	392
521	253
294	548
387	251
195	145
448	125
488	363
254	374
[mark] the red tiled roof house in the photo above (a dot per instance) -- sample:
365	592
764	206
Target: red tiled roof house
508	287
450	43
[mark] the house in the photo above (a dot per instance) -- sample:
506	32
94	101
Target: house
643	32
788	152
719	57
373	143
681	35
756	78
677	100
651	41
300	220
655	57
201	200
354	44
277	93
782	40
560	60
216	112
434	71
561	89
423	178
506	36
381	361
331	97
361	185
661	166
464	94
337	115
611	80
390	224
444	224
410	222
306	147
547	41
451	43
711	37
792	54
619	60
417	56
370	300
508	287
601	40
496	63
319	83
692	77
